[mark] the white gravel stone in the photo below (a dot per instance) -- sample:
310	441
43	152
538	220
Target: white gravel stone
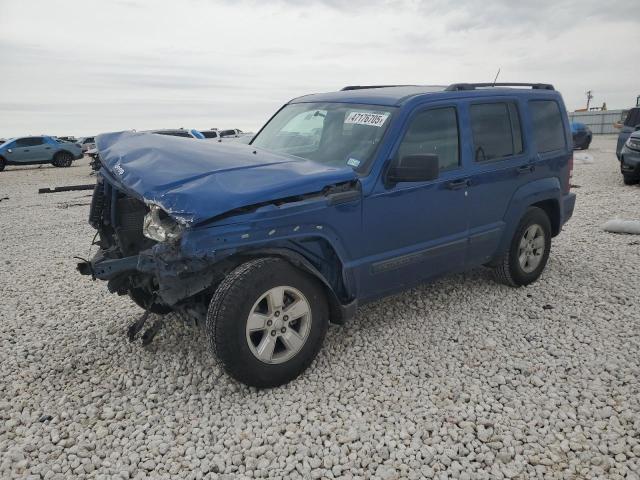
462	378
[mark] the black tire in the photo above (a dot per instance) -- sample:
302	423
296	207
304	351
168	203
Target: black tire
142	298
508	269
231	306
587	142
2	163
629	180
62	159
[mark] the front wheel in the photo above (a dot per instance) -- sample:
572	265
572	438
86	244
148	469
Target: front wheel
528	251
62	159
266	322
2	163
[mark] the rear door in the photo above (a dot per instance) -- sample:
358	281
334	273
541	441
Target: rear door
501	163
417	230
631	122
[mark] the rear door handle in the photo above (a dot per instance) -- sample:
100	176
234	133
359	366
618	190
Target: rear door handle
47	148
458	184
525	169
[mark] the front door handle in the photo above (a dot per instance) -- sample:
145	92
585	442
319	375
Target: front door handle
524	169
26	150
458	184
47	148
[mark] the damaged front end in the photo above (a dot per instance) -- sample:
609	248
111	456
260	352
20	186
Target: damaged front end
139	252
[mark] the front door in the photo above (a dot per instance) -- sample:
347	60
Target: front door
415	231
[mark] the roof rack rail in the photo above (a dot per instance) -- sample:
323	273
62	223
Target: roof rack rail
366	87
454	87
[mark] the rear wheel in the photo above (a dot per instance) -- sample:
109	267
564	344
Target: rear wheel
266	322
62	159
528	251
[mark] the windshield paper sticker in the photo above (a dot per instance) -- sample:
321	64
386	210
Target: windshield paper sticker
372	119
353	162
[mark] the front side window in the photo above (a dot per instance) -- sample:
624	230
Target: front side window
335	134
29	142
434	132
548	129
496	130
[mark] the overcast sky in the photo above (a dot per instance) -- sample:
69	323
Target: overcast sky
84	67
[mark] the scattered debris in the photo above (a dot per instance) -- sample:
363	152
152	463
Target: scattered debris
547	307
136	326
4	198
575	186
618	225
45	418
68	188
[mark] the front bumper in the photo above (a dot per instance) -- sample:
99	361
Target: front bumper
630	163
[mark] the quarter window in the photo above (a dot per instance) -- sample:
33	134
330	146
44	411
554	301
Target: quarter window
547	125
496	131
434	132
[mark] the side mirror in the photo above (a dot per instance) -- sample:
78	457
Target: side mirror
637	128
414	168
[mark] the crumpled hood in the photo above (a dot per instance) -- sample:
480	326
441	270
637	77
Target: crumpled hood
196	180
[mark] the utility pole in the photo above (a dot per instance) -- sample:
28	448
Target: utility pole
589	97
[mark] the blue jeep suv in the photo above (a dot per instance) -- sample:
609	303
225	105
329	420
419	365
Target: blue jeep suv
340	199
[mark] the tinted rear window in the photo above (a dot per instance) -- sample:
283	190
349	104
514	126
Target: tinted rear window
209	134
548	129
496	130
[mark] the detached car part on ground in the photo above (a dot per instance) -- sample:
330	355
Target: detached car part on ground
340	199
38	150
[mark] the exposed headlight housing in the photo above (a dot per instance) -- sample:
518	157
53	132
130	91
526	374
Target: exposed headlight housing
633	143
159	226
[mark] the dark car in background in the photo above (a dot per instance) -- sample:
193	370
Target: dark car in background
630	125
581	136
630	159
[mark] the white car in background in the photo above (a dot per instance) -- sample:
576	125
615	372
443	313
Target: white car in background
87	143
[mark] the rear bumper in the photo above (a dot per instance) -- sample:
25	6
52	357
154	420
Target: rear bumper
79	156
568	204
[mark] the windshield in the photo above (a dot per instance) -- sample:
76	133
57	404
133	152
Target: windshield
336	134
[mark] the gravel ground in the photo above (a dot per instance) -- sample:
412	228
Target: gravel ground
462	378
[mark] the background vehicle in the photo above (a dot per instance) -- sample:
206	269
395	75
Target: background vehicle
38	149
233	132
581	136
87	143
68	138
179	132
630	159
268	242
210	134
631	124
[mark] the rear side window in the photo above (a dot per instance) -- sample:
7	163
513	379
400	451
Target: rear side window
496	130
633	118
548	129
434	131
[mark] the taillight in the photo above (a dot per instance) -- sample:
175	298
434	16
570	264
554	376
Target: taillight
570	175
